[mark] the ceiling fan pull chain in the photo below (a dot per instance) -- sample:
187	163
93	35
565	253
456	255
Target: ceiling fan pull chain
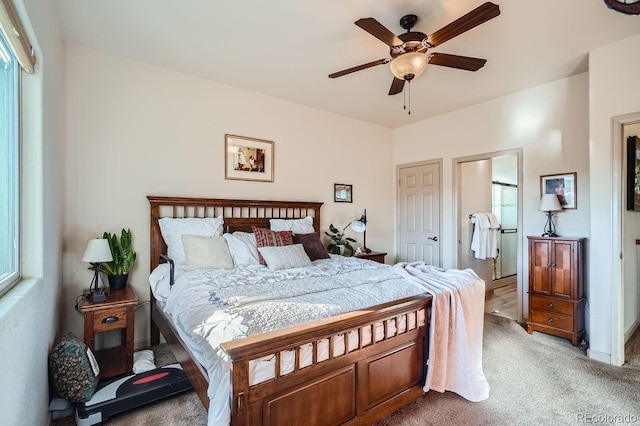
409	93
404	94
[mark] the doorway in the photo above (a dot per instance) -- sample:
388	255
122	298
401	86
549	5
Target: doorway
489	183
630	228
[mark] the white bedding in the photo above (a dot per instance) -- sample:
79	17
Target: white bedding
215	306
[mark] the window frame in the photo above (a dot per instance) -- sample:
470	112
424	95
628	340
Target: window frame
10	278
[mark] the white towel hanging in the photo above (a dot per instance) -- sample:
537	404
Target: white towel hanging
484	242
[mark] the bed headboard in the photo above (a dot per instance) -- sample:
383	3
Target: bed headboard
239	215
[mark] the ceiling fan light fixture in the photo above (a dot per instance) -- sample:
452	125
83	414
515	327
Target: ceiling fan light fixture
409	63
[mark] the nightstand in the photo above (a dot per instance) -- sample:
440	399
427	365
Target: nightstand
376	256
115	313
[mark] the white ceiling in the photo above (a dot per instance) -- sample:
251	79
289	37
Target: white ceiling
286	48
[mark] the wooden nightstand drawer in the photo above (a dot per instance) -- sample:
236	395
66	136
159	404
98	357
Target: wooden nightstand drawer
116	315
111	319
550	319
552	305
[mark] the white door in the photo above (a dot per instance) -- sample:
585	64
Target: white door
419	214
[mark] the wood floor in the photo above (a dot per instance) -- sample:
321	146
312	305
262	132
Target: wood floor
503	300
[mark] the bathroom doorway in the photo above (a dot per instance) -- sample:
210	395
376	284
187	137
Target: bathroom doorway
489	183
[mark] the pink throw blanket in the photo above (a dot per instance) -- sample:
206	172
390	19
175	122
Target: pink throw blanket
455	337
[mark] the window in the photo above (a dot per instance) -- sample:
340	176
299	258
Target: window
9	168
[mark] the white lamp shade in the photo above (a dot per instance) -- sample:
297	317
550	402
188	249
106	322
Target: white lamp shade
358	226
97	251
549	203
409	63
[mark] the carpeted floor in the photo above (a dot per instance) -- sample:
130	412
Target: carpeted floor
535	380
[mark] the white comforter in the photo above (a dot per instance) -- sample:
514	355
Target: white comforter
215	306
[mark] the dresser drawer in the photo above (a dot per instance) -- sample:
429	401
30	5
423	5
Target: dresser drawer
552	305
112	319
564	322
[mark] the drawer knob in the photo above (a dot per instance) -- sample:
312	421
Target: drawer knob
110	319
550	305
550	320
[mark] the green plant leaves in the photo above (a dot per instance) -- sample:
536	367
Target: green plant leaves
124	258
338	239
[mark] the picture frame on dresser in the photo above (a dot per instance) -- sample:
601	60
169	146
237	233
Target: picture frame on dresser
248	158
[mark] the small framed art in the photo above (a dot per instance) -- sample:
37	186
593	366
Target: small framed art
633	173
342	193
248	158
564	186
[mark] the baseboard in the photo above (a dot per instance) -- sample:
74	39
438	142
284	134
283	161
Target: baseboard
599	356
631	330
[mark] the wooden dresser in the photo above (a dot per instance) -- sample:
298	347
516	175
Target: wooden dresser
556	286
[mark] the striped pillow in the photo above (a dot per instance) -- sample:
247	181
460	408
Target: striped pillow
266	238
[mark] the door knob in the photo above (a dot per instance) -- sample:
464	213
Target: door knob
432	238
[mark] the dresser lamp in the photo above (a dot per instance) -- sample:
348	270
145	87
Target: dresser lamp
549	203
97	251
360	225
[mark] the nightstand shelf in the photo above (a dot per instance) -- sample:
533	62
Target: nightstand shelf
376	256
115	313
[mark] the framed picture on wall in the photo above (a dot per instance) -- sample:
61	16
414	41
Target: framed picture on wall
564	186
342	193
248	158
633	173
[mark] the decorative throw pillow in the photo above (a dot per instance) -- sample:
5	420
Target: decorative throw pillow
73	369
312	246
243	248
172	230
285	257
297	226
267	237
206	253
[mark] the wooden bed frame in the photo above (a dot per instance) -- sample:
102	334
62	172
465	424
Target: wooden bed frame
353	384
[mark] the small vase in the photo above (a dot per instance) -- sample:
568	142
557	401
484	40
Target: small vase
341	247
117	282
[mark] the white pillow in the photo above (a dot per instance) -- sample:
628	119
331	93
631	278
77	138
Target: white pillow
206	253
172	230
243	248
285	257
297	226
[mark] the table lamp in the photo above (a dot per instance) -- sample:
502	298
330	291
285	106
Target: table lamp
97	251
360	225
549	203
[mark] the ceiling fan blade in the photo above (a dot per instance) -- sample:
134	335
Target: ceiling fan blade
358	68
477	16
396	86
455	61
379	31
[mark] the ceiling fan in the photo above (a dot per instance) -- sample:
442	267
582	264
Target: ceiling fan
409	51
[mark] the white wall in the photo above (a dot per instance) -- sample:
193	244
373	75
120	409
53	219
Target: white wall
29	312
134	130
549	122
613	92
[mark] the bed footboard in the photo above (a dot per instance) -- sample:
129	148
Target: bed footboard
355	368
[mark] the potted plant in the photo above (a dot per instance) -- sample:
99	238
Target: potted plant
339	241
123	259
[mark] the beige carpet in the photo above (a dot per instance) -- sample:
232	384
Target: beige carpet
535	380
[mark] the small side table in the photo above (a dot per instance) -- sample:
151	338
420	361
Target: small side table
376	256
115	313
